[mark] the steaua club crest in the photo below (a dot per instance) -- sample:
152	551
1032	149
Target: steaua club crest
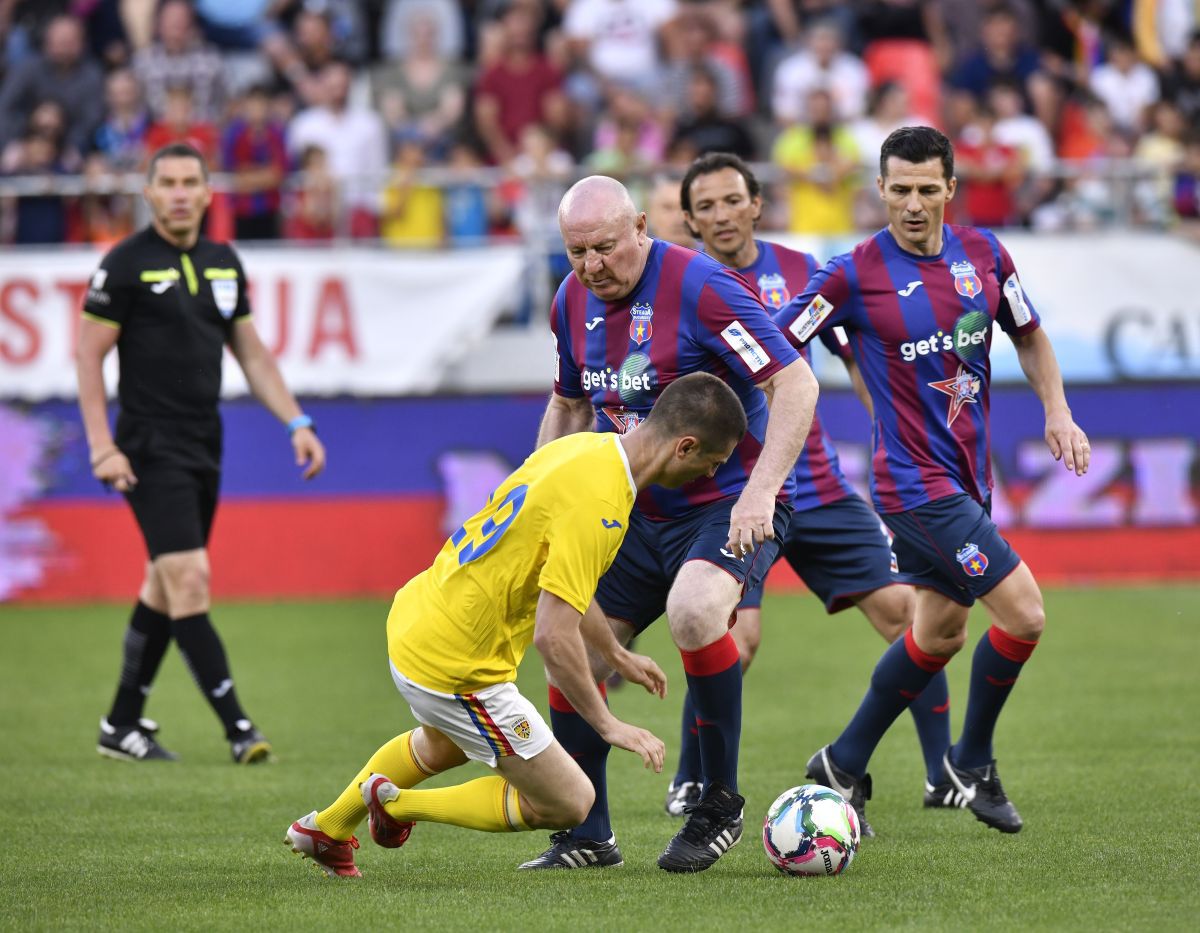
521	729
622	419
966	282
773	290
974	562
641	328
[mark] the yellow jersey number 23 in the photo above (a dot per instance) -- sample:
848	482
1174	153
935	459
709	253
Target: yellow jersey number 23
492	529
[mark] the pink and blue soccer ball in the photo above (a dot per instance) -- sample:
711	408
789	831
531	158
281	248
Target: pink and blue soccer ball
811	830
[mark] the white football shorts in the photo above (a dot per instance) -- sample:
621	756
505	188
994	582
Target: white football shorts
488	725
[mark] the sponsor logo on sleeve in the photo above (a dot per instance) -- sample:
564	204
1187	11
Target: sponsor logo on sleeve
1017	302
811	318
749	349
225	294
96	290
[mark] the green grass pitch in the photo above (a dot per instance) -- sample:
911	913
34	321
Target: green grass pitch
1099	747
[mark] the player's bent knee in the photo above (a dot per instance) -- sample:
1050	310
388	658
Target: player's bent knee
1027	623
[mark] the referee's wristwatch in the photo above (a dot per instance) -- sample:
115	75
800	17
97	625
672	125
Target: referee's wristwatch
301	421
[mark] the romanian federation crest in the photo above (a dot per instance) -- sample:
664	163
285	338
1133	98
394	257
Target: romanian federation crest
521	729
966	282
773	290
641	328
974	562
225	294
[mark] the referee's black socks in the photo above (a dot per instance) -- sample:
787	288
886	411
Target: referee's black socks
205	656
146	641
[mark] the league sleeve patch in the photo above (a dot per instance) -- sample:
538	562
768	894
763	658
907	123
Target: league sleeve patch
1017	302
96	292
806	324
749	349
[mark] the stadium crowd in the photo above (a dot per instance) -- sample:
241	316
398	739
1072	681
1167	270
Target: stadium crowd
438	121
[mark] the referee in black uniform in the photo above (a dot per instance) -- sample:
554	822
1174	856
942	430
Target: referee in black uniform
170	301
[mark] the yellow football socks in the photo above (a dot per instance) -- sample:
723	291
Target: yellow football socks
490	804
398	760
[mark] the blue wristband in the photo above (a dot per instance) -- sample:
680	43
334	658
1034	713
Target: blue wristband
300	421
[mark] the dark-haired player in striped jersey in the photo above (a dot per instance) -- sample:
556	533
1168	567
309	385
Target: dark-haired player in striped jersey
834	541
918	300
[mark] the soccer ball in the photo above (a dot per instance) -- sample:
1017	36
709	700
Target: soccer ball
811	830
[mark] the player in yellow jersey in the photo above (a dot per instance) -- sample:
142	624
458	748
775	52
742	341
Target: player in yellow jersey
523	569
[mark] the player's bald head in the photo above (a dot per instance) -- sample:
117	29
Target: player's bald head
604	235
596	199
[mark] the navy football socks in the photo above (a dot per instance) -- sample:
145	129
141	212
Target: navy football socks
690	768
714	676
583	743
998	660
931	714
902	674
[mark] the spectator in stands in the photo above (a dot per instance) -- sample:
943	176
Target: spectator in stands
470	206
1002	56
542	172
989	172
423	93
121	138
1187	187
312	213
47	122
707	129
1127	86
521	88
104	216
62	73
618	40
253	150
887	110
302	58
823	64
412	209
691	44
181	58
346	40
1028	135
395	29
821	163
1162	150
355	140
1182	86
38	218
628	137
237	25
179	124
964	20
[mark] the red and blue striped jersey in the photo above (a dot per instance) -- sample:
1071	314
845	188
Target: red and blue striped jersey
920	328
777	274
687	313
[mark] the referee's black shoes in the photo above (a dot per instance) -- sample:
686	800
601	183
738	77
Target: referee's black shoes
713	827
250	747
132	743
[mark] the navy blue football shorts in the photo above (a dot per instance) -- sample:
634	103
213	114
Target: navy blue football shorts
953	546
636	585
840	551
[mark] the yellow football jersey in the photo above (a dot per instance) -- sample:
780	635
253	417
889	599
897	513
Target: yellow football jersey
555	524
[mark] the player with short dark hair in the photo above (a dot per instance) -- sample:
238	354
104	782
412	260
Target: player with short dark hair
918	300
634	316
834	542
170	301
523	569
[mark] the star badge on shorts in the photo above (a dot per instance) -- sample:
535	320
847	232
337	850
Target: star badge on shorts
973	561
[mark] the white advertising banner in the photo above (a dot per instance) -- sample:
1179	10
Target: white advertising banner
1117	306
358	321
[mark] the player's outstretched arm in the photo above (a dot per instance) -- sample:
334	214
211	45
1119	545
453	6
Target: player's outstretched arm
792	397
1064	437
556	634
564	416
635	668
266	382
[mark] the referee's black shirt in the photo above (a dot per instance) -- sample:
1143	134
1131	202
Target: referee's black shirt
176	311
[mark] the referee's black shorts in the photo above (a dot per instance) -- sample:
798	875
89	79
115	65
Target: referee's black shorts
174	507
